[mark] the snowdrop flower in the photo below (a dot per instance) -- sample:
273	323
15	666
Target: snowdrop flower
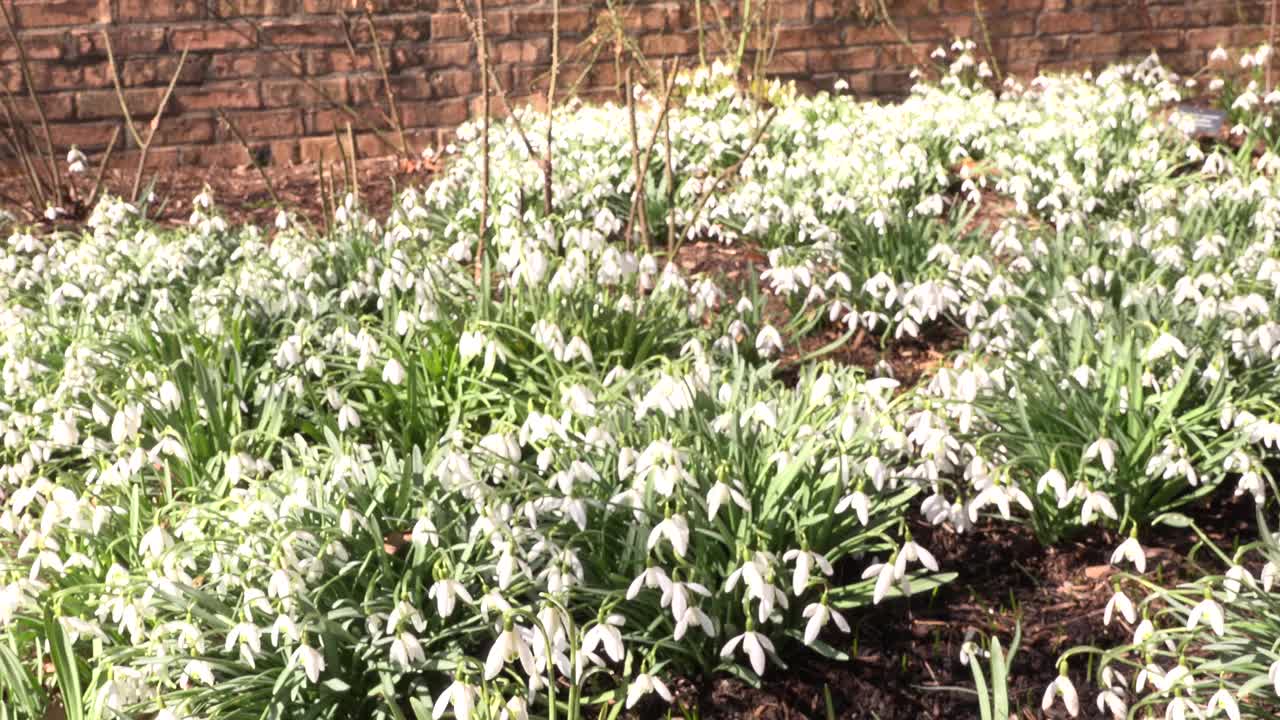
1143	632
1055	480
1061	687
1097	501
446	593
1111	702
754	645
818	615
1181	708
509	646
885	575
1105	449
721	492
461	696
1132	551
406	651
170	396
676	531
1119	601
247	639
768	341
913	552
312	661
1210	611
348	418
77	163
652	577
693	616
393	372
606	633
1237	576
642	685
1226	702
1162	346
805	560
859	503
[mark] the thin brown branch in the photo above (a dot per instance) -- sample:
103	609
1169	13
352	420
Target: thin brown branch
55	177
15	140
154	126
102	168
115	81
547	199
266	179
728	172
392	106
638	203
299	70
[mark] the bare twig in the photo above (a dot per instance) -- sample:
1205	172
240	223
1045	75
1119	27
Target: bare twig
642	158
635	155
55	176
102	168
986	37
726	174
386	83
155	125
482	47
702	40
266	179
355	170
547	199
18	144
670	177
299	69
115	80
144	144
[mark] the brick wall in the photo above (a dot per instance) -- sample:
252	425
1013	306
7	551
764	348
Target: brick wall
281	69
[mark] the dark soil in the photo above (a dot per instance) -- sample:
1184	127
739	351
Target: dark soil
241	193
905	654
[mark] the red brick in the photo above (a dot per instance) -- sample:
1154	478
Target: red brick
152	10
182	130
97	104
234	94
159	71
313	31
37	45
52	13
228	66
125	42
225	155
87	136
1063	23
295	92
264	124
212	38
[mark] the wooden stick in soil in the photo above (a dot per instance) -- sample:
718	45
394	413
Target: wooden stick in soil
670	176
13	138
635	155
253	160
355	170
102	169
484	138
392	106
547	199
55	176
637	200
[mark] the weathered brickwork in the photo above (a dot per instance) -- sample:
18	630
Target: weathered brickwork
283	70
